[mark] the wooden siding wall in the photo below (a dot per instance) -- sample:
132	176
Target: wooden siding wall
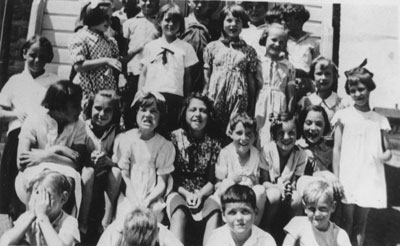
55	19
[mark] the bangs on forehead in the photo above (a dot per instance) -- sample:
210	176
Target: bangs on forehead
173	14
147	102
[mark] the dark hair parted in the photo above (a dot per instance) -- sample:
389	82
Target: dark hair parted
239	193
211	127
316	108
115	100
331	64
298	11
277	121
237	11
43	43
95	16
58	95
174	13
245	119
359	75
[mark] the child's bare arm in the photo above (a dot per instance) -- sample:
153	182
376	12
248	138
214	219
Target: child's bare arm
88	65
387	150
16	234
252	89
207	190
187	81
158	191
207	74
337	148
8	114
142	77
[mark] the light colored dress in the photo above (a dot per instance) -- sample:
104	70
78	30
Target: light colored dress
229	65
303	51
361	170
272	97
145	160
305	234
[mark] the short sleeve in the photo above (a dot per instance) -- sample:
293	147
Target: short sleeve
252	60
190	56
126	29
208	56
110	237
336	119
80	134
294	226
146	54
221	168
342	238
68	229
263	162
6	94
165	159
122	152
29	130
78	49
384	124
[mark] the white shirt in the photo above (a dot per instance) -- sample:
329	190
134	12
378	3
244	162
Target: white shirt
303	51
25	94
168	77
222	237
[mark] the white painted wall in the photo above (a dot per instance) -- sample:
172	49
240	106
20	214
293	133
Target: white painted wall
372	31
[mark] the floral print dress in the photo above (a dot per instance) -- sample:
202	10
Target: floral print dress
229	65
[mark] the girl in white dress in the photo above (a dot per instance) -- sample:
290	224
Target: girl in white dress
360	150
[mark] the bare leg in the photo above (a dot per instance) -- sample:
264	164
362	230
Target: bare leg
87	194
212	224
112	190
178	223
261	199
360	224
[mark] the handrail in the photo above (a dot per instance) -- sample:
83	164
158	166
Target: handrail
36	18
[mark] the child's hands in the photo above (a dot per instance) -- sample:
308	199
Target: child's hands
31	158
114	63
237	178
42	203
21	116
65	151
190	199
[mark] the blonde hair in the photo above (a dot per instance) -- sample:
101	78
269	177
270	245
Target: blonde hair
140	228
315	190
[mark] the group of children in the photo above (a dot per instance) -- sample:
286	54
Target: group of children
259	137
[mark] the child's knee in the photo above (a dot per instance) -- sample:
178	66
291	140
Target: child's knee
274	195
88	175
259	190
179	215
296	200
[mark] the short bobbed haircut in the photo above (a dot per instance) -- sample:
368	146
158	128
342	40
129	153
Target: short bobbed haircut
140	228
237	11
174	12
147	100
360	75
60	94
239	194
298	11
331	64
316	108
277	122
274	15
245	119
315	190
115	100
43	43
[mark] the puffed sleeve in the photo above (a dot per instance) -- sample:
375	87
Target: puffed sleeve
208	55
78	48
252	60
165	158
122	152
221	168
384	124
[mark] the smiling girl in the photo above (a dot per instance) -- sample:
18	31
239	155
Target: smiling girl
360	150
167	62
229	67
